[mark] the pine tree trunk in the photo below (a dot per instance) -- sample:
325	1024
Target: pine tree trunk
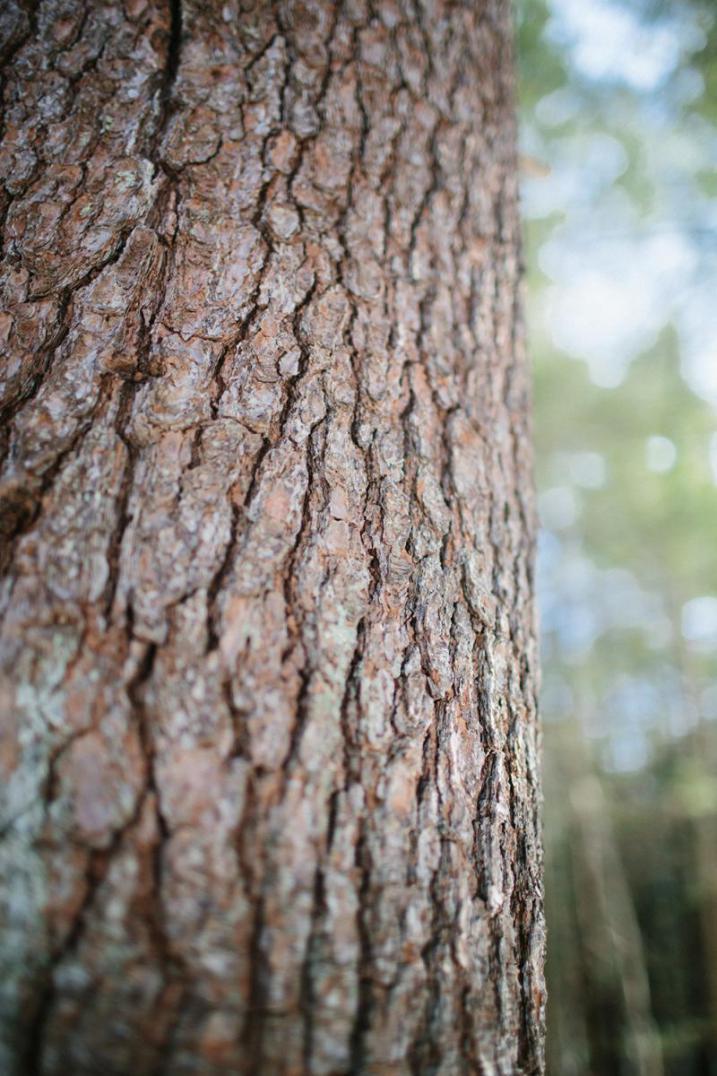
269	739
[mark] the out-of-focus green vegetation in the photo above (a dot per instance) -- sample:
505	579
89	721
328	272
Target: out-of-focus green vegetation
619	139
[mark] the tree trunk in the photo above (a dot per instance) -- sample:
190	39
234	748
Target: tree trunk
269	740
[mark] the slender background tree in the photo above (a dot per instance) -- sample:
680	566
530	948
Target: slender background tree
269	740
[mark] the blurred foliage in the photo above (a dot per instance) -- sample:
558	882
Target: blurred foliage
619	143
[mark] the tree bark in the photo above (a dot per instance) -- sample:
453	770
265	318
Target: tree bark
269	736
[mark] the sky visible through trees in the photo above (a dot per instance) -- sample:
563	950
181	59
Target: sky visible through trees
619	145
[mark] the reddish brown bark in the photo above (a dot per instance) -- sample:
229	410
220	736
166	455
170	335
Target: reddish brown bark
269	740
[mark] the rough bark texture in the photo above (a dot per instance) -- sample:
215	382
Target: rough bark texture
269	739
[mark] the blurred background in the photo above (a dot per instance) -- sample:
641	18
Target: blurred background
619	147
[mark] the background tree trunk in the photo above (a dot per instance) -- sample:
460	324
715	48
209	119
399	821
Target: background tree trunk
269	741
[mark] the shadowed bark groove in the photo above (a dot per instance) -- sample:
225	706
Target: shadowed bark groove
269	743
